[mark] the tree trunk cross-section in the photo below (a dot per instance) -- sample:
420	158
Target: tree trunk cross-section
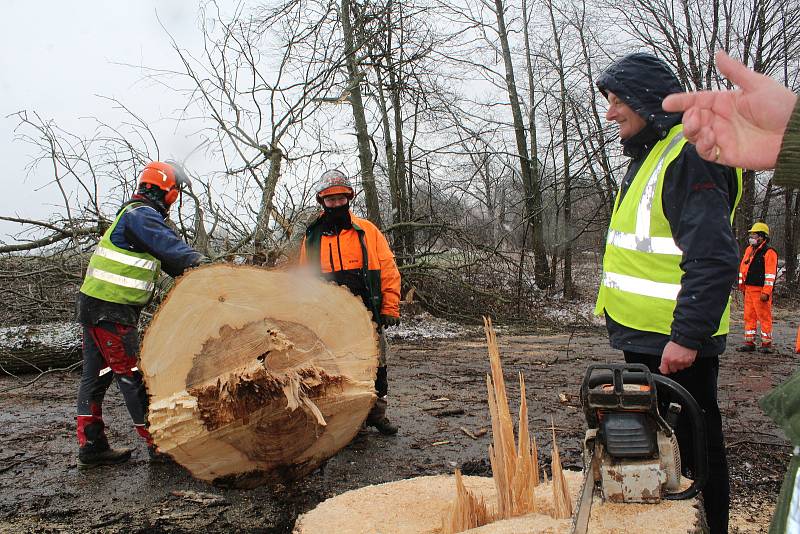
256	376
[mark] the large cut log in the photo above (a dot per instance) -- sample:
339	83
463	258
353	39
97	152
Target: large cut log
255	375
37	348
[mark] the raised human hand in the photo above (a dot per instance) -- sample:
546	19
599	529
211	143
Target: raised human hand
742	127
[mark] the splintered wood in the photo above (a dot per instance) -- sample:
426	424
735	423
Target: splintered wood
515	466
469	511
561	497
250	376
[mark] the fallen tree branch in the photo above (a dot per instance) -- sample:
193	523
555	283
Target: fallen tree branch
40	375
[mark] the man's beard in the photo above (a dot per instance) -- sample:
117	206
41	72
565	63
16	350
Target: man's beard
337	219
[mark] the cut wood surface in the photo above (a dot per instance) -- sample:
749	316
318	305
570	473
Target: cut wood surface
37	348
256	375
417	505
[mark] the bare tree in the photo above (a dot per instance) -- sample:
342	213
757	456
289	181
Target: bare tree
355	75
533	211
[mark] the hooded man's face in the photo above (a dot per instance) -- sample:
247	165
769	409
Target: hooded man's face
629	122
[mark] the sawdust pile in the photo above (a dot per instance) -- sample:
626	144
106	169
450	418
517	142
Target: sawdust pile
417	505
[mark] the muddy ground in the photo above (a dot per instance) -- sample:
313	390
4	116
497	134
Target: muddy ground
437	390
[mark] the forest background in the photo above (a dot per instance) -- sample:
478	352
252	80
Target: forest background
472	128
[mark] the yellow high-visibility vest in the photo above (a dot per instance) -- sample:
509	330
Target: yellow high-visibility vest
641	267
118	275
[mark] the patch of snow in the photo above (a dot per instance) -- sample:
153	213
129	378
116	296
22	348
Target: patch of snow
426	326
573	312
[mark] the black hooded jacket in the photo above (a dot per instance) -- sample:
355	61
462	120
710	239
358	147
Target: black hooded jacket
698	197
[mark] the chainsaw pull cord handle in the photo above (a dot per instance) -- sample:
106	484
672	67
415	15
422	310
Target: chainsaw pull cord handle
678	393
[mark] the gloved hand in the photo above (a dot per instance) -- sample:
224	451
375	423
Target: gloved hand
389	320
764	297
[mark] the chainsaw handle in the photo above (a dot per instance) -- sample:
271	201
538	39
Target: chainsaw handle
679	394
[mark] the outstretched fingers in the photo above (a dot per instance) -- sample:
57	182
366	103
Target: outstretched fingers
736	72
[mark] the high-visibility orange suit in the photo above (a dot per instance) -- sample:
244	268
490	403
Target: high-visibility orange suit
756	279
797	341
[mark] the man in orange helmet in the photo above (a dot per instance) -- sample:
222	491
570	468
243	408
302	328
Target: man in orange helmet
119	282
757	279
354	253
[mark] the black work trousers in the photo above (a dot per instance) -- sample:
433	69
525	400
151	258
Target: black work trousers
700	379
110	351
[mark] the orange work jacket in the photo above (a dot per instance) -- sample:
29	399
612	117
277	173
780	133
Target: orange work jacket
362	250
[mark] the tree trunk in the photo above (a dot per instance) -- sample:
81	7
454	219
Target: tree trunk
37	348
762	214
791	228
250	377
533	209
359	118
265	210
744	218
566	238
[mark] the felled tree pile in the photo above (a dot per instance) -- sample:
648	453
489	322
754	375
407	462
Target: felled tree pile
40	347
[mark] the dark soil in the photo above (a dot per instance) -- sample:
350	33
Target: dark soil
437	395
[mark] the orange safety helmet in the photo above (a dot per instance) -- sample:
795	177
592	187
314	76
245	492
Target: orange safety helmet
167	176
334	182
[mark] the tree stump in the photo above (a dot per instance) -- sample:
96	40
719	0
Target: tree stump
37	348
417	505
257	376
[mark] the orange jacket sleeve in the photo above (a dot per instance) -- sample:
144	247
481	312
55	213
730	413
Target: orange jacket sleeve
770	271
743	267
390	277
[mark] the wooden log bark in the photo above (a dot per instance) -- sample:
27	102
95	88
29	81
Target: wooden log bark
256	376
36	348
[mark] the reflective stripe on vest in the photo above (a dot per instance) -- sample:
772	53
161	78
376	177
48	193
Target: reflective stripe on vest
142	263
641	267
640	286
118	280
642	240
118	275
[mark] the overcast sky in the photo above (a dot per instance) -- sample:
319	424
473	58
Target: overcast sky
59	55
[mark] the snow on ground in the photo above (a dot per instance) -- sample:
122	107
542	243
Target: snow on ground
426	326
566	312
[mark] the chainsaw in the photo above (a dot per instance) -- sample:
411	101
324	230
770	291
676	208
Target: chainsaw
630	450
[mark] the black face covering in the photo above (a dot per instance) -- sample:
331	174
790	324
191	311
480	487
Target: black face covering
336	219
154	195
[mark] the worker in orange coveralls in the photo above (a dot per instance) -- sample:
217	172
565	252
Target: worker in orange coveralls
757	279
797	342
